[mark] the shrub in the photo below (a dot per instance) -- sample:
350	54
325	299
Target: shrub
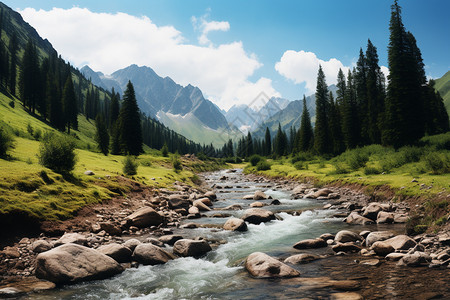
340	168
371	171
57	153
255	159
410	154
300	165
30	129
37	134
177	165
263	165
130	166
165	150
357	160
6	142
437	163
12	103
302	156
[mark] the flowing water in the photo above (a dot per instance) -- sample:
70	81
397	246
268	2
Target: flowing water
221	275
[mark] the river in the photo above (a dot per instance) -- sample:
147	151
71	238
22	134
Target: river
221	275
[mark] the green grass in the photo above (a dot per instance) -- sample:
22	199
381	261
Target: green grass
26	186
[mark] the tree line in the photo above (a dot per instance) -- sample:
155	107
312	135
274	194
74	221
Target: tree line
366	109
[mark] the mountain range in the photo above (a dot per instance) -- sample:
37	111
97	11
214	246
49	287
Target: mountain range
184	109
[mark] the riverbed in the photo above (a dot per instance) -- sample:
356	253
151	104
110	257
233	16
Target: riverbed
221	274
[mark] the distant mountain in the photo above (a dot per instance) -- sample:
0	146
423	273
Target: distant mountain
290	116
183	109
249	118
443	87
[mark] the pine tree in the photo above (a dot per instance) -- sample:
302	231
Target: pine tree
280	143
70	106
101	134
322	138
305	133
130	123
13	48
375	94
403	122
360	77
55	106
335	127
29	77
350	124
267	142
115	139
249	145
341	88
114	109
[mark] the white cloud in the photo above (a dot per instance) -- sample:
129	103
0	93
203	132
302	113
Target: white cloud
108	42
302	67
207	26
385	71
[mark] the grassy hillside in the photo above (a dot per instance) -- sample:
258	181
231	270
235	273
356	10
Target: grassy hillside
443	86
28	188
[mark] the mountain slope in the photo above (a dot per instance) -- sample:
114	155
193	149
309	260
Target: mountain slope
182	108
443	86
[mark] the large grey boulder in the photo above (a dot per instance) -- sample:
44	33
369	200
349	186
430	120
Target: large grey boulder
119	253
211	195
144	217
170	239
261	265
110	228
258	215
378	236
201	206
235	224
384	217
311	244
415	259
344	236
382	248
346	247
401	242
371	211
355	218
149	254
70	263
187	247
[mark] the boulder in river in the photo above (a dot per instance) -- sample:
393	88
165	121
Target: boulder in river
261	265
311	244
346	247
235	224
119	253
170	239
149	254
384	217
187	247
378	236
201	206
301	258
110	228
206	201
382	249
211	195
131	244
344	236
322	193
260	196
258	215
415	259
401	242
371	211
144	217
355	218
257	204
70	263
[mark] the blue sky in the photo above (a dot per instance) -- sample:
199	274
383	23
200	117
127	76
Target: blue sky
251	37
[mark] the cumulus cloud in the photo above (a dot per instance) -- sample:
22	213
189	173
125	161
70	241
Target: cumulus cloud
302	67
108	42
207	26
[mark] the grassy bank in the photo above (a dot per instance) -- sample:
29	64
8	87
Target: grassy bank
33	191
419	175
